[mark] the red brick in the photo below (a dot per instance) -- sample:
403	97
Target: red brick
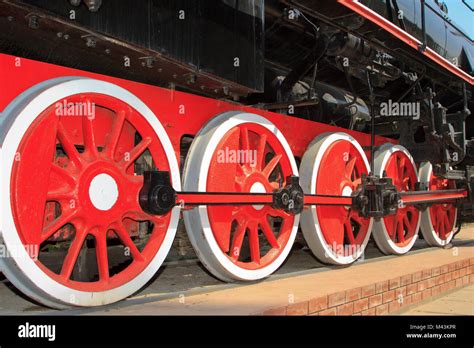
444	269
448	276
465	280
368	290
425	294
388	296
440	279
465	263
463	272
458	265
353	294
426	274
298	309
435	291
405	280
416	277
471	278
394	283
435	271
400	293
381	287
361	305
393	306
412	288
471	269
330	311
382	309
375	300
416	297
317	304
452	284
471	261
458	282
407	301
456	274
275	311
443	287
345	309
336	299
452	267
423	285
370	311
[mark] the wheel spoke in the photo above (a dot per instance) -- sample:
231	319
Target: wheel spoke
136	152
72	255
261	151
63	174
237	241
68	146
278	213
102	256
349	232
401	234
114	136
447	226
54	226
244	136
270	167
393	235
89	137
254	244
350	167
268	232
357	218
407	223
128	242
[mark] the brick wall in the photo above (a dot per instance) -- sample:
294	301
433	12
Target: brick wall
387	296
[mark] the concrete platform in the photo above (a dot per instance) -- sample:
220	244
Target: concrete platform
377	287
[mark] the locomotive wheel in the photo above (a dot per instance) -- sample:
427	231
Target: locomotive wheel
438	221
333	164
246	242
71	184
396	234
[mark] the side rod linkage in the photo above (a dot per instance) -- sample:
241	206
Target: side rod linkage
374	198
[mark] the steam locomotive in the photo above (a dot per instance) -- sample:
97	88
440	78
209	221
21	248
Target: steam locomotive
237	123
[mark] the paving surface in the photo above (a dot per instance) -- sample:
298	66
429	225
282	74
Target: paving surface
459	302
179	286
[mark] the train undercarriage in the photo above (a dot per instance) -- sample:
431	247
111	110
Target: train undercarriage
301	116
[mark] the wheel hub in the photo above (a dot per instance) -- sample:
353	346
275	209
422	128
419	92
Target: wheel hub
103	192
257	187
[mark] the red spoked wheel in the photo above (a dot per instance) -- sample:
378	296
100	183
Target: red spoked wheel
334	164
396	234
74	154
239	152
438	221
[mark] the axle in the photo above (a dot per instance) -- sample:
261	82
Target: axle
375	197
